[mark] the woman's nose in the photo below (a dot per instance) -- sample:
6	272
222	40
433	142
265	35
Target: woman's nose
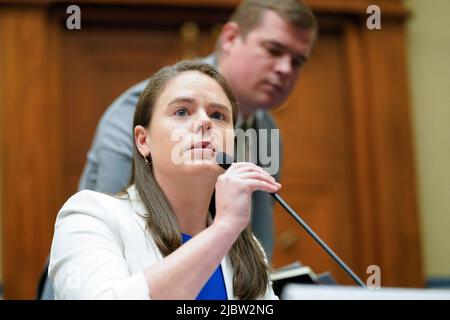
203	122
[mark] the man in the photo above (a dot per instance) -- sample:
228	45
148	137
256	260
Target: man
260	51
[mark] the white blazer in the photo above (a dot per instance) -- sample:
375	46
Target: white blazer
100	248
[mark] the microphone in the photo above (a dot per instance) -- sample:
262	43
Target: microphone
225	161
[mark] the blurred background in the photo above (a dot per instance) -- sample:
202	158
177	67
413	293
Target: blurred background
366	133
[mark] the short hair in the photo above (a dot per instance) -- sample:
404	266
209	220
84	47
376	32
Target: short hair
249	13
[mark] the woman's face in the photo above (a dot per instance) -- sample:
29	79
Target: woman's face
192	120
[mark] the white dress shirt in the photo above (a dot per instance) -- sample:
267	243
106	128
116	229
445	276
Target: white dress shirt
101	247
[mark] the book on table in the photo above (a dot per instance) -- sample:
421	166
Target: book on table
297	273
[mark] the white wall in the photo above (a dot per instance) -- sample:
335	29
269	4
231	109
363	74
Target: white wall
429	64
1	182
1	216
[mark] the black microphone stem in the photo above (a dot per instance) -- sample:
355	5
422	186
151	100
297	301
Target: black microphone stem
224	160
318	240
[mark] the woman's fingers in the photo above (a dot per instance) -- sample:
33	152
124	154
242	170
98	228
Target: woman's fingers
255	184
259	176
240	167
248	173
233	192
247	169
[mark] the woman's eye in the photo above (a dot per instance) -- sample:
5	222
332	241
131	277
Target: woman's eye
218	115
182	112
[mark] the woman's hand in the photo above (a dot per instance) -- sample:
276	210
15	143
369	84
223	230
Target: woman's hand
234	191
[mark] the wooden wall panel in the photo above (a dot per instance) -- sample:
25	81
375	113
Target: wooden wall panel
30	147
393	161
317	170
111	59
101	55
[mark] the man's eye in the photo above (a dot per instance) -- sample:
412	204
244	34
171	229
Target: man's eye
297	63
218	115
274	51
182	112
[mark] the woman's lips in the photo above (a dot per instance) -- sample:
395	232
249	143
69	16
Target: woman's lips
202	145
273	88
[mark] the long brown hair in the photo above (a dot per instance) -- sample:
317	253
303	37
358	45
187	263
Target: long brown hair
250	268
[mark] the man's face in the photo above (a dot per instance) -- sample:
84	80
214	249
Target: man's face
262	67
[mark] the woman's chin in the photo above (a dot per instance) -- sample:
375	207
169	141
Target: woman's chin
200	161
199	155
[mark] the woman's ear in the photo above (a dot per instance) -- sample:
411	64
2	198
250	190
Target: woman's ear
228	36
142	140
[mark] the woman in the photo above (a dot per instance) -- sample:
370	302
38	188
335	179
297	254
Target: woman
157	240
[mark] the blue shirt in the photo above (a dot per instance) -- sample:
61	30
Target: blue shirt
214	289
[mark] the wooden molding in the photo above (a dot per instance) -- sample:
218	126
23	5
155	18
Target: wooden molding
390	8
